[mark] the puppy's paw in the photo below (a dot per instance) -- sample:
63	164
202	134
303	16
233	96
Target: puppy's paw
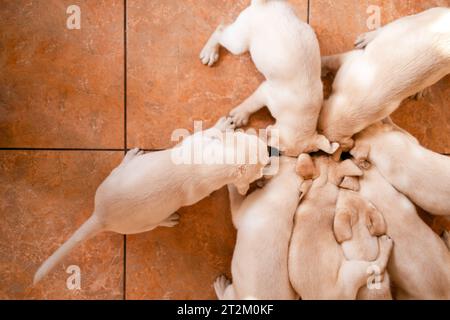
132	153
363	164
171	221
220	285
239	116
209	54
225	123
386	243
364	39
420	95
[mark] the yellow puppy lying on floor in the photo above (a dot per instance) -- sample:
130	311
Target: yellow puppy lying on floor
264	220
420	174
145	190
318	268
420	264
399	60
286	51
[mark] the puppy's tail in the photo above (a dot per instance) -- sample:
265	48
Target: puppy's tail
90	228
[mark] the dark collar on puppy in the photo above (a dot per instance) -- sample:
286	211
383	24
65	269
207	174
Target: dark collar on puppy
273	152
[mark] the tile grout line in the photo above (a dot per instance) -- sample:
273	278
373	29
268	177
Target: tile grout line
125	76
308	11
58	149
72	149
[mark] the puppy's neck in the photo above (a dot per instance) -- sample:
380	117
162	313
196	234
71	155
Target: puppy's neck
219	174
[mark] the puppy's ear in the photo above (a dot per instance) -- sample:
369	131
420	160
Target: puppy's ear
350	183
337	155
347	168
305	167
342	225
322	143
361	154
376	223
304	188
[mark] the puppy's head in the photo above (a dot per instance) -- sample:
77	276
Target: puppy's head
357	224
250	156
334	120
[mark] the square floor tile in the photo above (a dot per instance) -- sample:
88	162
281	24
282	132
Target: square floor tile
46	196
61	88
182	262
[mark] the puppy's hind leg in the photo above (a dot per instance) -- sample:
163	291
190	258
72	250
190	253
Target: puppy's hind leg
388	120
364	39
170	221
421	94
334	62
233	37
224	124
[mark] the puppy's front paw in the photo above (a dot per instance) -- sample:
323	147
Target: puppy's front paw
364	39
239	116
209	54
171	221
225	123
220	286
420	95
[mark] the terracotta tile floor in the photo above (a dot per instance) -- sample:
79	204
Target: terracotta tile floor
71	102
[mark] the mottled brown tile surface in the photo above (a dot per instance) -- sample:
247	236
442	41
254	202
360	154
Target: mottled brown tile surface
60	87
168	87
46	196
437	223
338	23
64	89
428	119
182	262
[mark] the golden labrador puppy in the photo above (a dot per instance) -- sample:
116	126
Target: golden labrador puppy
264	220
318	268
286	51
145	190
399	60
420	174
420	264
